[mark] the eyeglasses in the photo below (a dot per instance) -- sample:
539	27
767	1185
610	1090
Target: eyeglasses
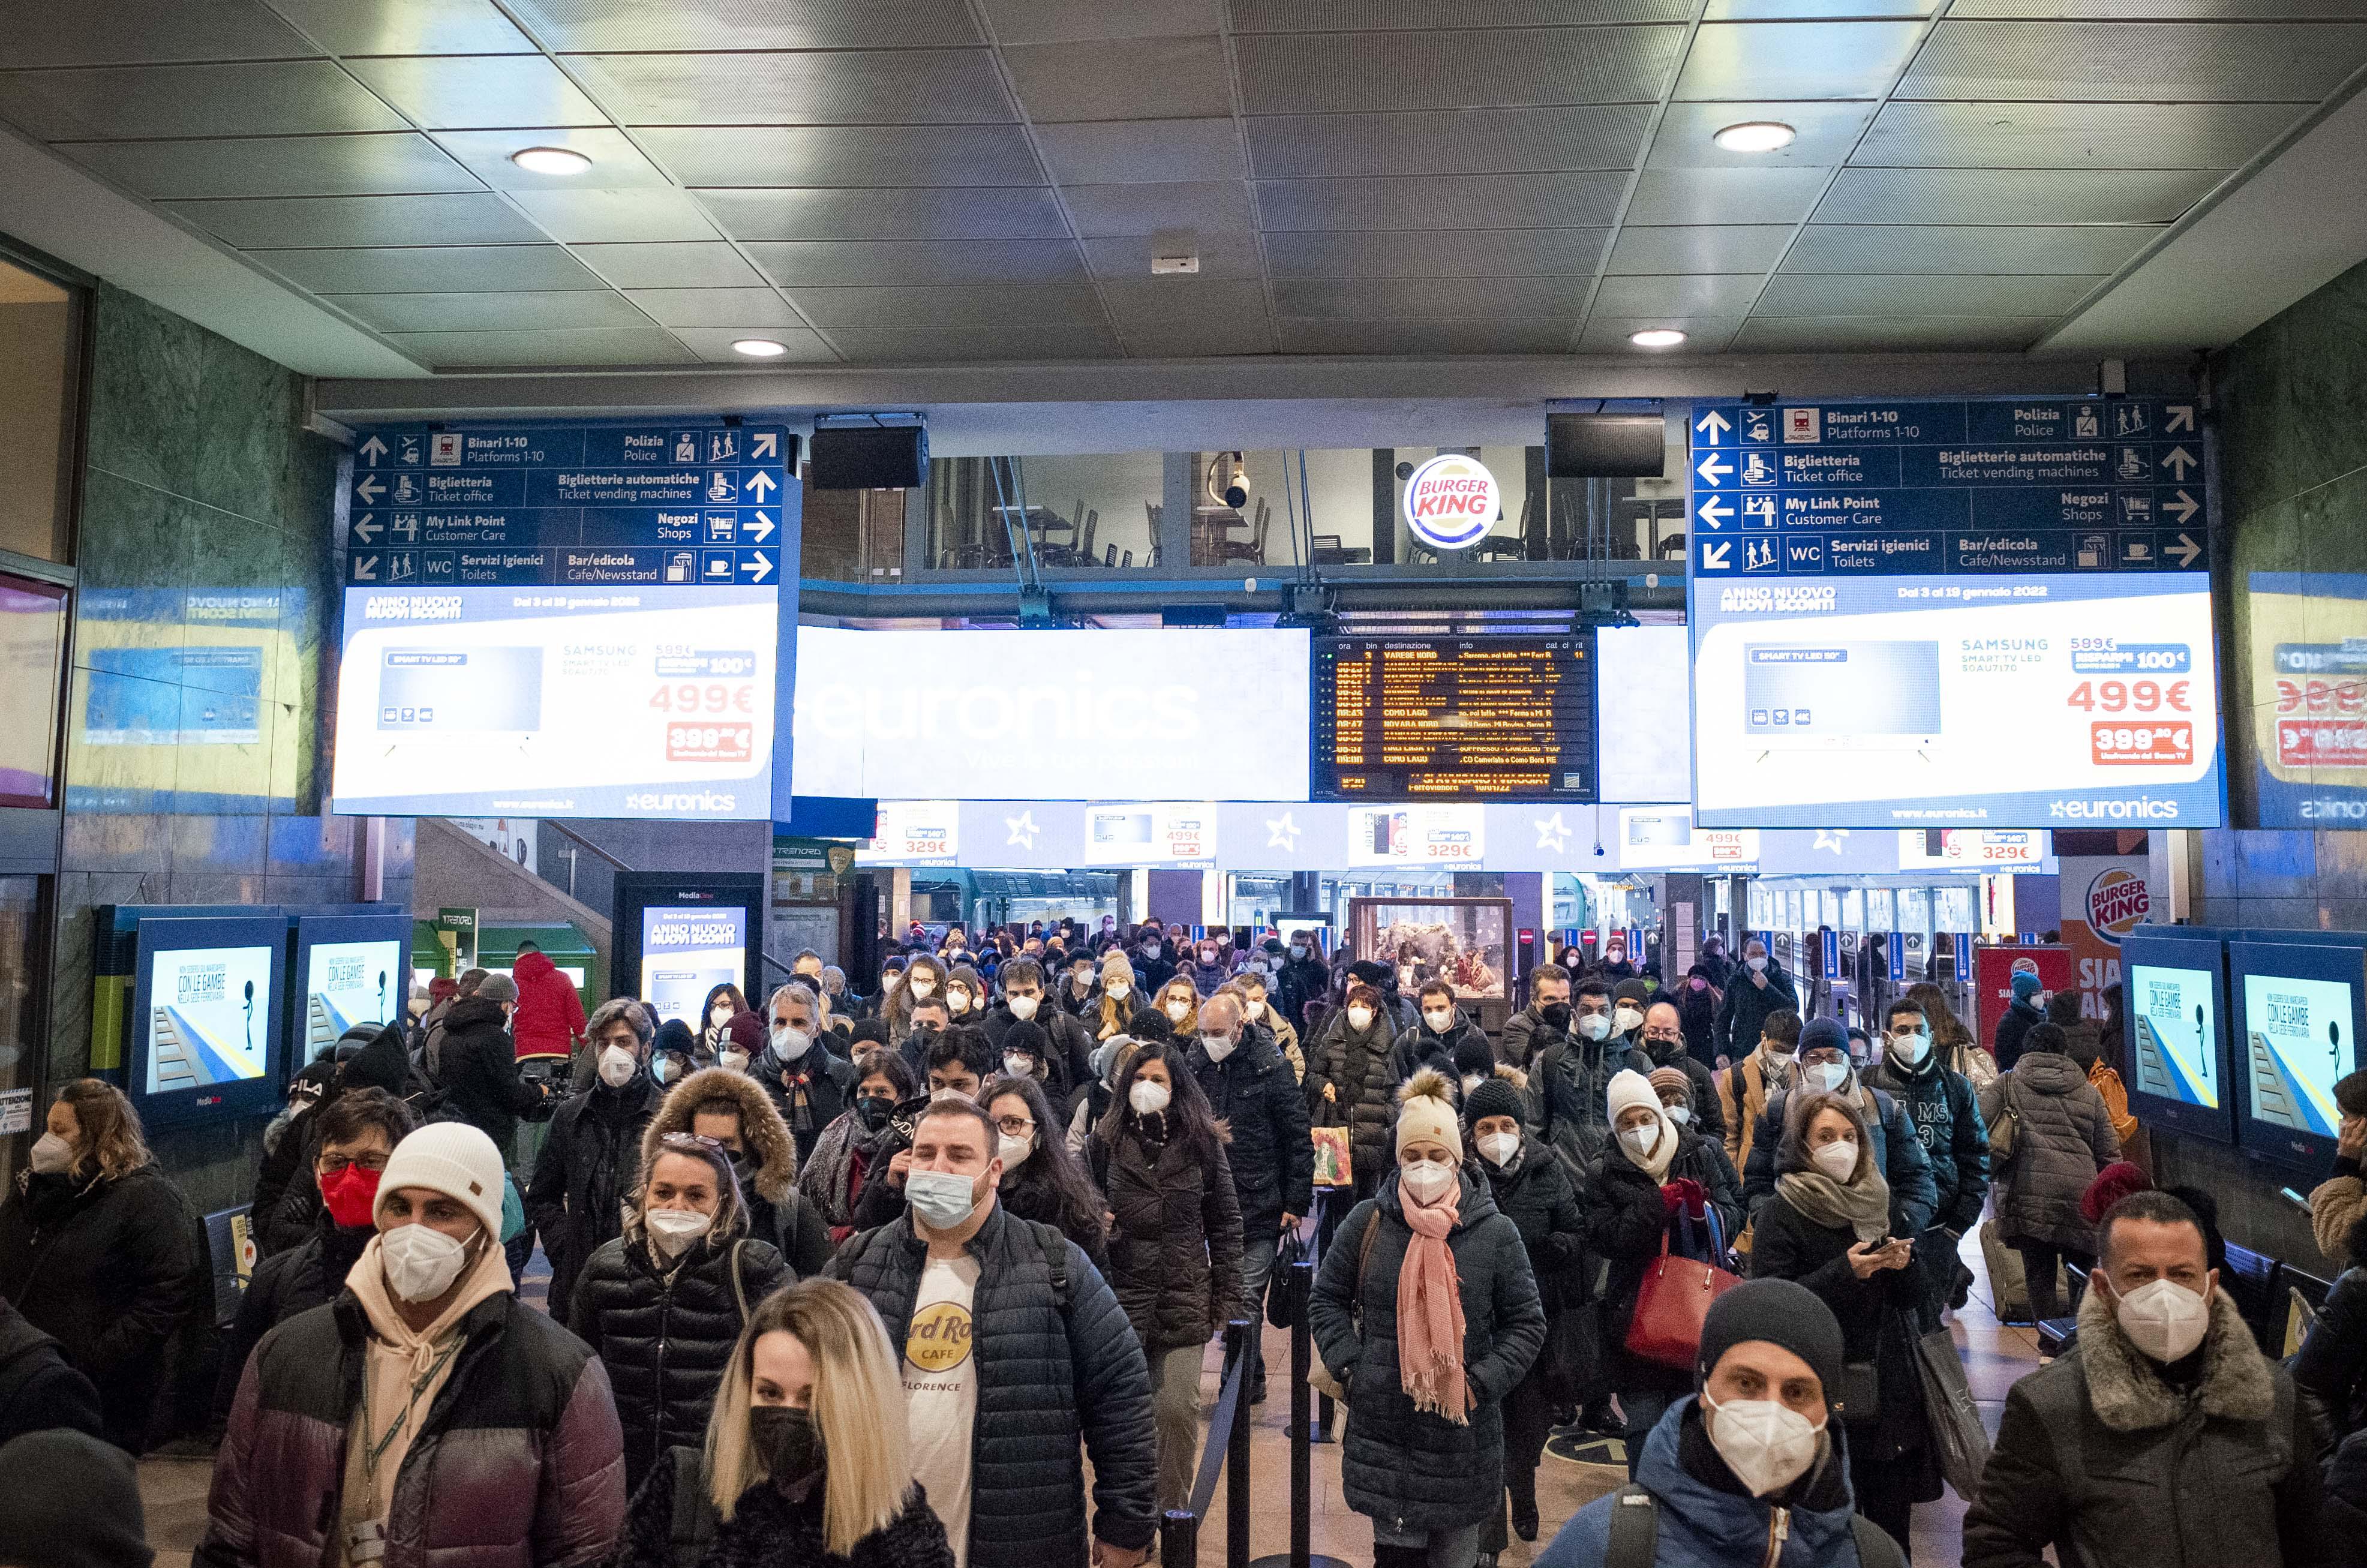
337	1164
1017	1126
692	1143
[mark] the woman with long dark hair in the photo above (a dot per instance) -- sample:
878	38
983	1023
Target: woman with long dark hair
724	1002
1041	1179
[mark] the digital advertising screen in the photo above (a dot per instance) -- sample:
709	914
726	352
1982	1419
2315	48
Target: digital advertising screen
1643	684
2297	1022
206	1020
2307	663
1466	718
2174	993
1151	833
352	970
1417	835
687	951
1133	714
1664	838
914	832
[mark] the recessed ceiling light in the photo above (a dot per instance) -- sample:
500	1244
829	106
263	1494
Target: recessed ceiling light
759	347
1657	338
1755	136
550	160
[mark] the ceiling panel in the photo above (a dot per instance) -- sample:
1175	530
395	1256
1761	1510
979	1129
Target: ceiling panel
661	265
2159	10
713	344
1416	299
470	92
1478	253
1128	256
715	307
1823	134
348	221
1725	196
837	154
1144	300
1801	11
1711	294
110	32
1071	21
381	163
1212	207
1155	78
1339	15
1960	249
270	97
998	305
936	86
1227	336
626	26
616	164
2199	62
592	217
1018	345
1796	60
1704	334
1118	152
1458	141
834	262
1704	248
494	313
1809	335
2029	136
1423	337
1483	201
2012	195
486	350
405	26
1005	212
1379	73
425	269
1923	294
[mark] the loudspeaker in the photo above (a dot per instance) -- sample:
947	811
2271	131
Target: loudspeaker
1604	445
866	457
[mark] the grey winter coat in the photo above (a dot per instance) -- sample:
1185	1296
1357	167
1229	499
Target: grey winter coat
2105	1462
1570	1082
2064	1137
1408	1471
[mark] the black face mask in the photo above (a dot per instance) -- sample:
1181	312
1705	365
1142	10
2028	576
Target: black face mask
786	1438
872	1111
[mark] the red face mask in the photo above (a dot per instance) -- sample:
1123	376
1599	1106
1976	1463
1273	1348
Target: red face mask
352	1196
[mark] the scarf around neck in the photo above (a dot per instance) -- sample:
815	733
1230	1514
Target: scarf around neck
1862	1206
1429	1309
1656	1163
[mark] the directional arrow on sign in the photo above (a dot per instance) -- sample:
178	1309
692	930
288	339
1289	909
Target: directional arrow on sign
765	444
2181	417
2179	460
370	490
1717	555
366	530
758	569
373	450
2186	549
1715	511
759	483
366	569
760	529
1712	468
2185	506
1712	425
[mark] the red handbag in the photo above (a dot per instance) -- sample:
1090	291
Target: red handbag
1672	1303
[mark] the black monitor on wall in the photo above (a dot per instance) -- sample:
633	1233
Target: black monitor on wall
680	934
2297	1011
206	1041
2181	1066
351	971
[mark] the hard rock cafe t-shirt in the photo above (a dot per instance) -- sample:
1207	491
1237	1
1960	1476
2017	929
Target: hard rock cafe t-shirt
941	1393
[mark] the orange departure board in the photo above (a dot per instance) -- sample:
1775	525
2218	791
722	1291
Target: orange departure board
1453	718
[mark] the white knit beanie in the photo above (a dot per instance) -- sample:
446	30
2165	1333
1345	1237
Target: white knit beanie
1428	1113
1629	1087
455	1159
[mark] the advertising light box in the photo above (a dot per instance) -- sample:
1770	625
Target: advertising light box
1116	715
2297	1009
1416	836
1151	833
2307	660
914	832
1664	838
2174	986
1643	684
205	1027
687	951
353	970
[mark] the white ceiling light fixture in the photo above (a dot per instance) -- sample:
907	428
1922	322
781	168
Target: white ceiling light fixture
1755	136
759	347
1657	338
550	160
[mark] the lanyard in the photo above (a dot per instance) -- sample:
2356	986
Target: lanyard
373	1452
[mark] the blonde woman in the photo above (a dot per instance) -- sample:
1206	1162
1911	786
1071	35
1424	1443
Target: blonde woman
1179	999
806	1458
1118	998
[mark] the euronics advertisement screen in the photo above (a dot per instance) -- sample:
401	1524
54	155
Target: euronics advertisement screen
208	1017
687	951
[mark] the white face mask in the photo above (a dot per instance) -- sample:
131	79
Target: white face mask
1081	982
1768	1446
1252	1010
735	1060
1498	1148
891	981
663	1069
788	1043
1120	990
1360	1019
672	1229
1643	1139
51	1155
1015	1151
1217	1046
1427	1180
1755	966
1627	1020
925	987
1437	1020
2164	1319
1828	1077
1176	1011
1023	1007
420	1263
1680	1114
616	1066
719	1017
1838	1159
956	1000
1912	1048
1594	1026
1146	1097
1018	1067
1470	1081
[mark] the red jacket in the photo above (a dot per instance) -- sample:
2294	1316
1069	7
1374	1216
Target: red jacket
549	1017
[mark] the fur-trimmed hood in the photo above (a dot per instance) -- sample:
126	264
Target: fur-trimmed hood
765	1135
1512	1076
2237	1384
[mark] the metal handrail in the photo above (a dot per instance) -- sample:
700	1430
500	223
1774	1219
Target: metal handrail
575	837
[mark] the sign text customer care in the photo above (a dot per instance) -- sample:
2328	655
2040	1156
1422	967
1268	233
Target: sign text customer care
1451	501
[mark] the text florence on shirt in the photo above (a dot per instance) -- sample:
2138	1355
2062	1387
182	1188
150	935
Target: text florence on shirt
941	1393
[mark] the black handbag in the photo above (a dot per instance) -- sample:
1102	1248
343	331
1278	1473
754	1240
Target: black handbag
1860	1400
1286	1293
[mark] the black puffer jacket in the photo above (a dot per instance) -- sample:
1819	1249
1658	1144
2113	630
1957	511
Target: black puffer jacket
1709	1116
2063	1137
1947	1117
286	1196
1572	1079
2327	1374
39	1390
767	1530
666	1338
1046	1378
1420	1047
1356	1068
284	1284
1627	1222
109	1269
1175	1249
1536	1196
1403	1469
1253	1093
589	1168
481	1085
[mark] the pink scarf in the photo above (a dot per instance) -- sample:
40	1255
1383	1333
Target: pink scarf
1430	1311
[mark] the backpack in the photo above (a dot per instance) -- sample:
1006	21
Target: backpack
1635	1538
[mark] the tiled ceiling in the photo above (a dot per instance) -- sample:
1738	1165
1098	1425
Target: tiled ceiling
925	181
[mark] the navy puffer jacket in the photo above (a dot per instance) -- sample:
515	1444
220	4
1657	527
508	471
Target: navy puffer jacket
1256	1096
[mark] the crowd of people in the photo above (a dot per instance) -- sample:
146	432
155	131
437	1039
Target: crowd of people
875	1276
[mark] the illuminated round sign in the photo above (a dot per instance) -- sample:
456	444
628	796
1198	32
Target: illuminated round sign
2117	901
1451	501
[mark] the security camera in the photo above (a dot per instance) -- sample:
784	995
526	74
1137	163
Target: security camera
1228	481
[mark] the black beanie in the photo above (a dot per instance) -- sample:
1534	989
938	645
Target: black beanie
1029	1037
1493	1097
1783	1312
73	1502
1636	991
1473	1054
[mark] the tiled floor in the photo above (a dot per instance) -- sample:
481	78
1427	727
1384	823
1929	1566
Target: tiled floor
1995	1355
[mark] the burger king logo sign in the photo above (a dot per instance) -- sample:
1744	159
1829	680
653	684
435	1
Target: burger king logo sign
2117	902
1451	501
